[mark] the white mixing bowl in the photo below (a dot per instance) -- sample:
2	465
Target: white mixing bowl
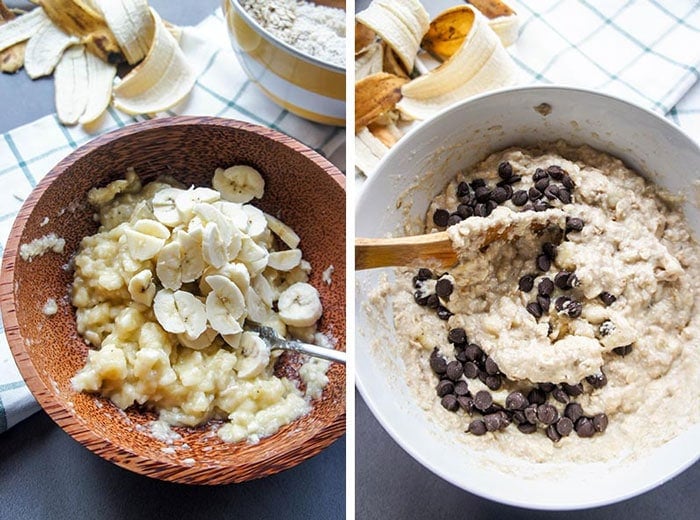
427	158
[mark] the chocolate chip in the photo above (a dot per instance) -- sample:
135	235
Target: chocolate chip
463	189
552	433
543	262
534	309
420	298
424	274
493	382
457	336
564	196
545	287
555	172
623	351
536	396
551	192
516	401
561	302
526	283
568	182
444	288
470	369
440	217
466	403
465	211
505	170
492	422
547	414
530	412
597	380
509	190
541	205
573	308
490	366
449	402
543	302
460	355
499	195
539	175
454	370
560	395
542	184
438	364
574	224
480	210
573	390
607	298
561	280
564	426
573	411
482	193
528	207
546	387
454	219
477	427
433	301
520	197
467	199
477	183
510	181
444	387
527	428
490	206
482	400
549	249
584	427
600	422
461	388
474	352
519	417
534	194
443	313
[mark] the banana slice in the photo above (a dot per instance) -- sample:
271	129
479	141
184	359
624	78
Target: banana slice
258	311
234	271
255	356
146	238
168	264
229	233
45	48
141	287
233	340
479	64
100	79
71	85
234	212
160	81
239	183
262	286
22	28
284	260
253	256
191	259
180	312
164	207
204	340
214	249
225	305
283	231
300	305
188	199
132	25
257	223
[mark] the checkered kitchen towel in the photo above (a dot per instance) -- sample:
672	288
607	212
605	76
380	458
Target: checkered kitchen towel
221	90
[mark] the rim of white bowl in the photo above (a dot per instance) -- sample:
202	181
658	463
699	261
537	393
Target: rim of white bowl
408	446
276	41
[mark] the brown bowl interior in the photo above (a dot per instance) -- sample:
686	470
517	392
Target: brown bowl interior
302	188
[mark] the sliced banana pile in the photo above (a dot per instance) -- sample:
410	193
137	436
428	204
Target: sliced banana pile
208	263
82	41
394	43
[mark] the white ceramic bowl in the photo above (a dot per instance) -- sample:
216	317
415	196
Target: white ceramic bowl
456	139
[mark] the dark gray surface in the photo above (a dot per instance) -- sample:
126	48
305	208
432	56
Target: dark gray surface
389	484
44	474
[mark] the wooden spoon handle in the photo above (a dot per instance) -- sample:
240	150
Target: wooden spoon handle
384	252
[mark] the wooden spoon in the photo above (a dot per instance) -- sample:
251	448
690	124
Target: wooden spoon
339	4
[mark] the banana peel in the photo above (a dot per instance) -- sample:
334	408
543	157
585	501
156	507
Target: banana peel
448	31
78	18
375	95
392	64
370	61
364	37
132	25
71	85
368	151
502	19
12	58
45	48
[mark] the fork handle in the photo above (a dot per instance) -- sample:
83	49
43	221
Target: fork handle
313	350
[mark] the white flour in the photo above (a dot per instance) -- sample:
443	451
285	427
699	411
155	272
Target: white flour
316	30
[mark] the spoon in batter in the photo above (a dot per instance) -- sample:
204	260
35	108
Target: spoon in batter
446	248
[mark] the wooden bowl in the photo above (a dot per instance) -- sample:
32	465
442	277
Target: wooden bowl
304	189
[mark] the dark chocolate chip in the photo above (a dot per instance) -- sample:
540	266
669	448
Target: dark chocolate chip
465	211
509	182
527	428
597	380
519	417
477	183
564	426
482	400
482	193
463	189
499	195
516	401
505	170
534	309
509	190
536	396
552	433
449	402
440	217
556	172
534	194
568	182
600	422
480	210
551	192
466	403
474	352
574	224
457	336
454	219
460	355
444	387
541	205
420	298
584	427
477	427
546	387
561	280
490	206
461	388
539	175
470	369
545	287
493	382
564	196
424	274
549	249
526	283
492	422
468	199
543	302
433	301
623	351
543	262
454	370
443	313
573	411
530	412
547	414
560	395
444	288
490	366
542	184
573	308
572	390
438	364
573	280
520	197
607	298
561	302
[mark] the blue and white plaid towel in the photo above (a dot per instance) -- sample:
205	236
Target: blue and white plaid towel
221	90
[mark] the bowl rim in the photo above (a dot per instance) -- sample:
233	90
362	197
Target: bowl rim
241	11
373	404
160	469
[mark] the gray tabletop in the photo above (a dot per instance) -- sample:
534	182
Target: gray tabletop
45	474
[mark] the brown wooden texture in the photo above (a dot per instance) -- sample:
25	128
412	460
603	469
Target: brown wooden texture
434	248
302	188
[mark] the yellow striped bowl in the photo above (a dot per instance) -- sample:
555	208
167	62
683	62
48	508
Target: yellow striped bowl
304	85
